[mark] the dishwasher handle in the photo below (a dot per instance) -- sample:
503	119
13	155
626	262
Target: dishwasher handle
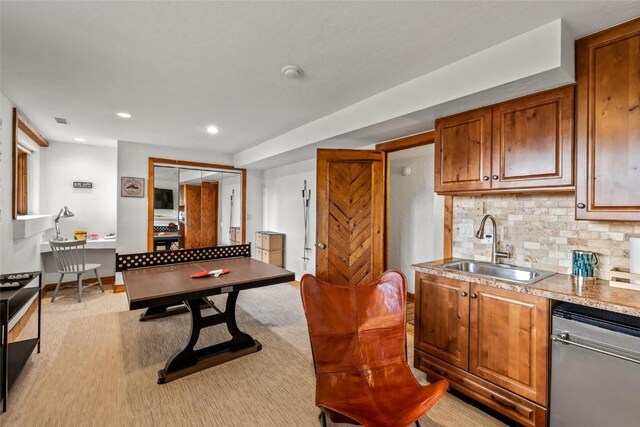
564	338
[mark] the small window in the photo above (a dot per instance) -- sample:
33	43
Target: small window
22	157
22	183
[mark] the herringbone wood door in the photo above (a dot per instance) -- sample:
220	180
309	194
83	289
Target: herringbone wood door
209	214
192	209
351	206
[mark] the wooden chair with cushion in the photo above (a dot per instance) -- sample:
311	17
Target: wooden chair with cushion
359	343
69	256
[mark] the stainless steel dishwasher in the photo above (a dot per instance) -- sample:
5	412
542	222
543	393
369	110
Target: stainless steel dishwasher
595	368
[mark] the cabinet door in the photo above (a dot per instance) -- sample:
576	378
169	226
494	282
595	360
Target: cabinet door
509	340
608	124
442	319
533	141
463	151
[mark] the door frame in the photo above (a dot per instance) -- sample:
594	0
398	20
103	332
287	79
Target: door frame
153	161
406	142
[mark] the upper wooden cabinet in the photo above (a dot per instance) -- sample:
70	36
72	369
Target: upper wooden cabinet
533	141
608	124
525	143
463	144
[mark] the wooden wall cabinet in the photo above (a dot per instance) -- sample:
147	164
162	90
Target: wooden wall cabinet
463	143
491	344
608	124
525	143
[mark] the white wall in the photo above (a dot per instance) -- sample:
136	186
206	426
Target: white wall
15	254
230	184
255	201
133	161
416	213
283	211
94	208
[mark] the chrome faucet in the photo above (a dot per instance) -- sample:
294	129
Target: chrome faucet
495	253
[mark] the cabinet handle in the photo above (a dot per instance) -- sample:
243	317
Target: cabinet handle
495	177
507	405
463	294
473	295
581	205
438	371
485	178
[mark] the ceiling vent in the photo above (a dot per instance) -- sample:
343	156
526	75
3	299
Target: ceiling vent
61	120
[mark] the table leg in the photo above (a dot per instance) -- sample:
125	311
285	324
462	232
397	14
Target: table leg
187	360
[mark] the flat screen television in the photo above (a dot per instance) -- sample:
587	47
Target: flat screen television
162	198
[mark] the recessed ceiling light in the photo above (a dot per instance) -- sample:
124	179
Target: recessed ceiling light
124	115
79	139
212	129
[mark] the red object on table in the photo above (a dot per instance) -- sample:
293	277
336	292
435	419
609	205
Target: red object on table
215	273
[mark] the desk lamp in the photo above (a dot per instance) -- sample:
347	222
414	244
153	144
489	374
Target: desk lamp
64	213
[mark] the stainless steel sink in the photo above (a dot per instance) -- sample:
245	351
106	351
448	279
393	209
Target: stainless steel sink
511	273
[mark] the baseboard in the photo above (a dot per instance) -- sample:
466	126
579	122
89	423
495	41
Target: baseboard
411	297
106	281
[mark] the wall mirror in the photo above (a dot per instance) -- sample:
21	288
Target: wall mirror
195	205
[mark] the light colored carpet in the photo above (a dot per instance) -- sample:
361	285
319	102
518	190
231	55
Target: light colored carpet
98	367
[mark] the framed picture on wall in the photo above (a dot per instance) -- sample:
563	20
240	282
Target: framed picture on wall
131	187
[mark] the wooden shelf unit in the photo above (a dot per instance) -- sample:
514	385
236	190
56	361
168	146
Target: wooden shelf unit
270	247
14	355
235	236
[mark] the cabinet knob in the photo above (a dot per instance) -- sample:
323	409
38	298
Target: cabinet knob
495	177
474	296
581	205
321	245
463	294
485	178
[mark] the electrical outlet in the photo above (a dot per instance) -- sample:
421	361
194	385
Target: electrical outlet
466	230
488	238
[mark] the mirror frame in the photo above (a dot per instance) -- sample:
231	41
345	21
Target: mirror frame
153	161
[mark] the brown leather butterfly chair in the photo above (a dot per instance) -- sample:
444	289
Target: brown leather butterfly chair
359	342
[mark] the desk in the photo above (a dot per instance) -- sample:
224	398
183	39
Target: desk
159	288
98	251
91	244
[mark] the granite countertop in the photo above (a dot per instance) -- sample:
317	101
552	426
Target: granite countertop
560	287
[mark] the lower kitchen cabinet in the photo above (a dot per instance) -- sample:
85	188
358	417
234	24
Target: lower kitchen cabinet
490	343
442	319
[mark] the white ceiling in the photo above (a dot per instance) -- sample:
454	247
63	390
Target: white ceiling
180	66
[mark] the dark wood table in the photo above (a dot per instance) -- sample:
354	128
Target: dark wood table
160	289
165	239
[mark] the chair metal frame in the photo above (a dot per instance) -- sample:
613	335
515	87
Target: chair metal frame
69	256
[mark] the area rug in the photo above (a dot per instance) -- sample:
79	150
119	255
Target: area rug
98	367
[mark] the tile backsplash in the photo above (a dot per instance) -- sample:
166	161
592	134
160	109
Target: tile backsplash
541	230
